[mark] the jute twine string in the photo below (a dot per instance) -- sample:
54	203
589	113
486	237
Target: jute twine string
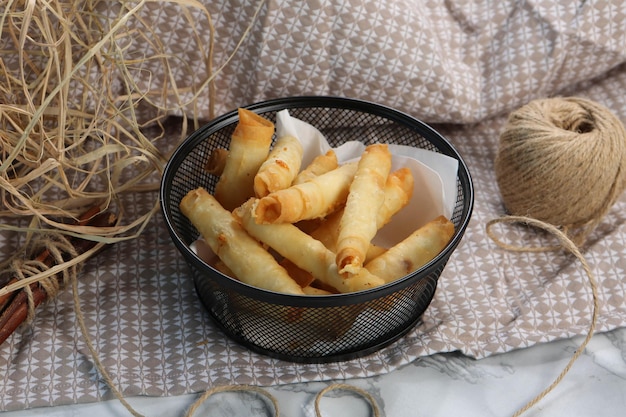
561	165
56	245
21	270
345	387
207	394
234	388
568	245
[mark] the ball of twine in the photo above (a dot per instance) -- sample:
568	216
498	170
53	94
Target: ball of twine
560	166
562	161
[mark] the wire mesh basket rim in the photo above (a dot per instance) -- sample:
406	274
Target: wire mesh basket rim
430	134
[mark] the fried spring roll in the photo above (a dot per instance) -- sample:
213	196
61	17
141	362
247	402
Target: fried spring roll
321	164
398	191
358	225
413	252
315	291
304	251
242	254
221	266
374	251
280	168
249	148
302	277
310	200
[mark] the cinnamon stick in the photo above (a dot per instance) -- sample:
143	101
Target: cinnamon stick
15	306
5	299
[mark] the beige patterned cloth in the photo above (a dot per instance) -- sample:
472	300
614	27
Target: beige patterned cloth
454	61
461	67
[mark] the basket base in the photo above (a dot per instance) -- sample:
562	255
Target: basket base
335	357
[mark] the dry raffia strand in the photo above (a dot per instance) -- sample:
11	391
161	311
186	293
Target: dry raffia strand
76	130
72	130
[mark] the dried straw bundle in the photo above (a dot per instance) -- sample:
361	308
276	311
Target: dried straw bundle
76	130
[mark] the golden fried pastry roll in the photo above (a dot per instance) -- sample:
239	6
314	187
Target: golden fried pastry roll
221	266
315	291
358	225
310	225
374	251
302	277
328	229
310	200
304	251
398	191
249	147
242	254
217	161
321	164
280	168
413	252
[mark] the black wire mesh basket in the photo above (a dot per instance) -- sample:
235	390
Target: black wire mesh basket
311	329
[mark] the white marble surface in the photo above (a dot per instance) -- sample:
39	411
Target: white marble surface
436	386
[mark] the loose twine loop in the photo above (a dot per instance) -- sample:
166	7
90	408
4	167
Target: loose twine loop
345	387
560	167
568	245
264	393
